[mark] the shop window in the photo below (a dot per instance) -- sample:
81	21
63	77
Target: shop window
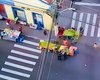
21	15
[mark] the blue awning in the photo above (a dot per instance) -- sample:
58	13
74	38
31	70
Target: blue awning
10	2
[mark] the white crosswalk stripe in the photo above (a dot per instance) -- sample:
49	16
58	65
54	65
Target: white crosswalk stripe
7	77
80	23
88	18
86	29
88	21
22	58
87	4
74	15
98	35
31	43
27	48
87	24
24	54
15	72
18	66
93	25
73	19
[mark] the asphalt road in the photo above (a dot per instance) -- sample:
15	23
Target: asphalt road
20	61
5	48
85	65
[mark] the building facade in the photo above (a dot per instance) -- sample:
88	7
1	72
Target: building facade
29	11
48	1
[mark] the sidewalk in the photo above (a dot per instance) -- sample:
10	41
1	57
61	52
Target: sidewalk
33	33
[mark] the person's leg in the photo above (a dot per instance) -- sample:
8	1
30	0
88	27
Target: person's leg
45	32
1	37
69	37
59	56
65	56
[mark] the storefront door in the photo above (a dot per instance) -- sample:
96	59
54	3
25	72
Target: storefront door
38	20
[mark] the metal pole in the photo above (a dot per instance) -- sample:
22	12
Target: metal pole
46	51
44	57
71	4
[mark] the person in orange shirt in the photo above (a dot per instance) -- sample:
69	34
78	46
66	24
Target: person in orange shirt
66	43
71	52
72	49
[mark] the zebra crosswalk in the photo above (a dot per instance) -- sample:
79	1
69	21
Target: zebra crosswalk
99	30
90	23
20	63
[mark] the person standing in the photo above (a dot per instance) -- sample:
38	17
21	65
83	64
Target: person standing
45	32
8	21
81	30
62	55
1	37
95	45
2	34
20	29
